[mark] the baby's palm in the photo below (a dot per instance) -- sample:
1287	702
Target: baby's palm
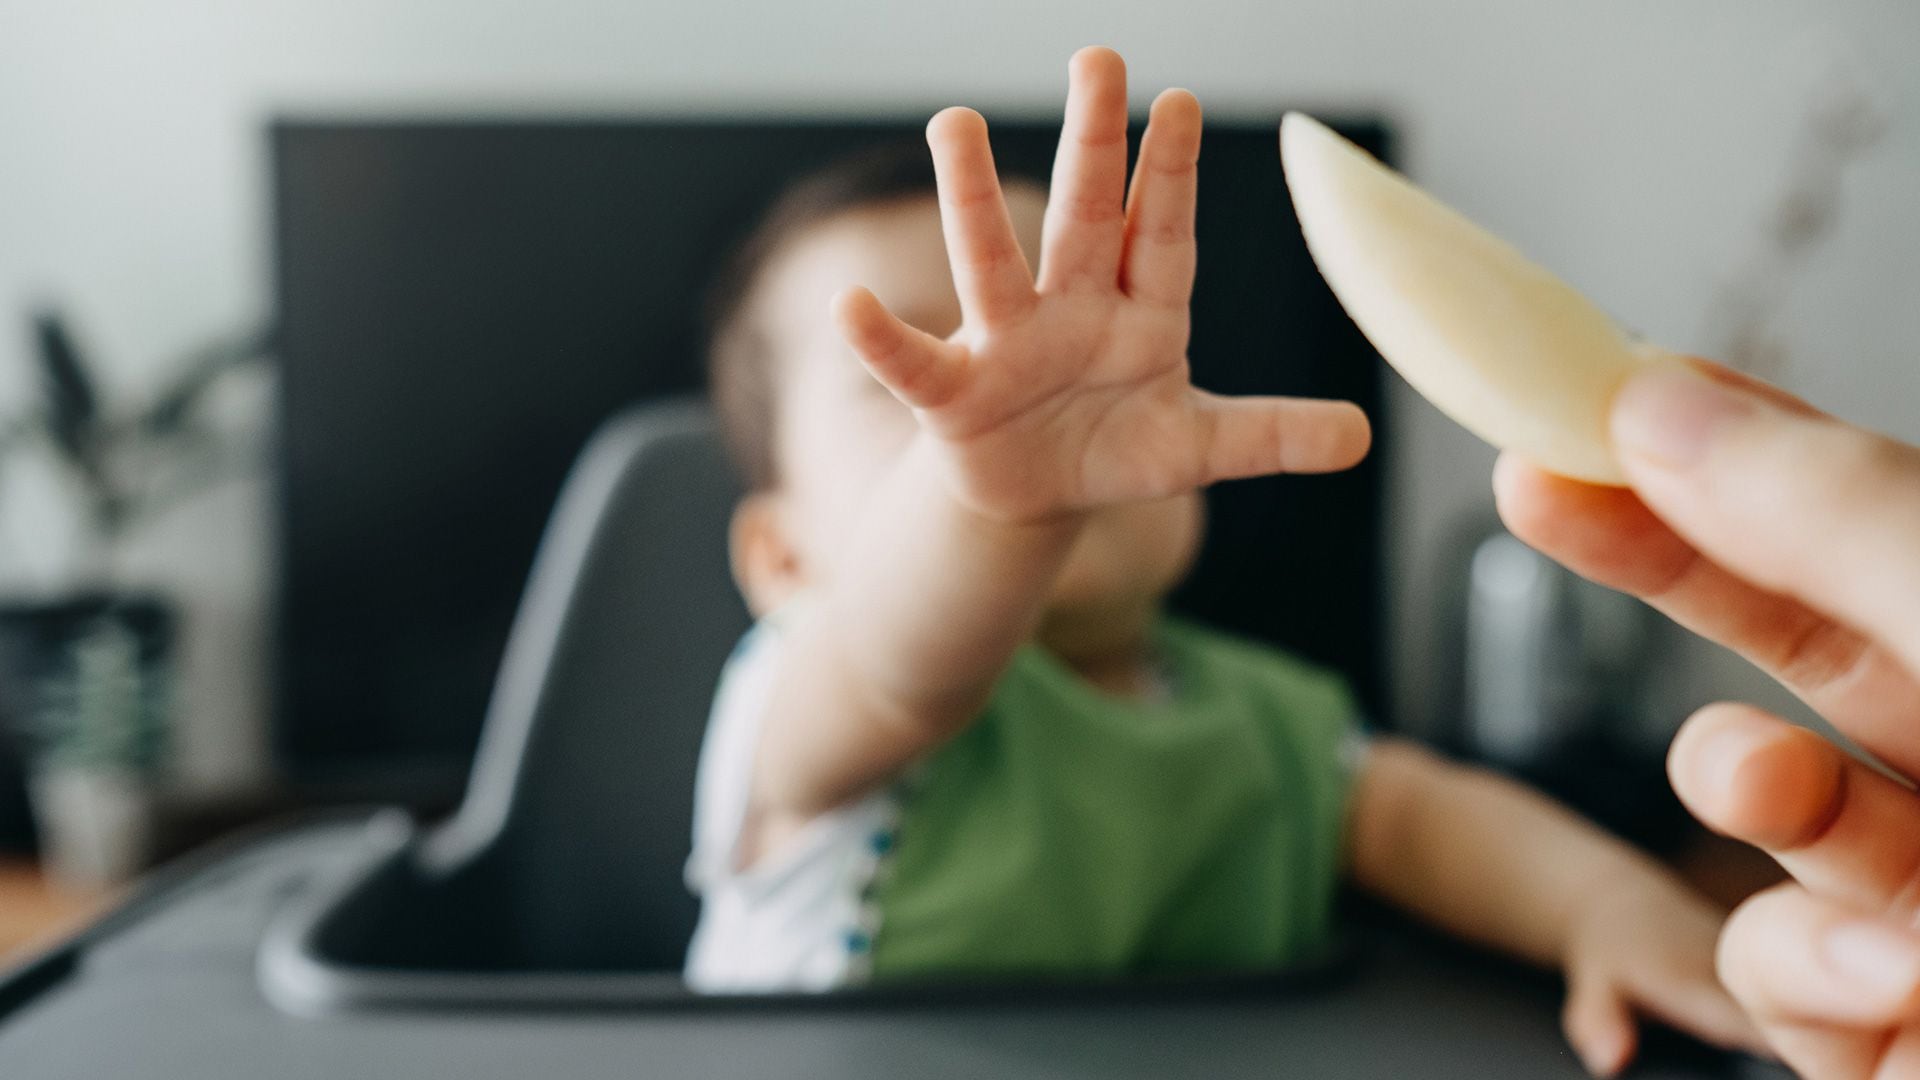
1084	400
1074	392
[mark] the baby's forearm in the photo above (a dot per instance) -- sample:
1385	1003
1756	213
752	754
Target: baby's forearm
1481	856
932	599
914	624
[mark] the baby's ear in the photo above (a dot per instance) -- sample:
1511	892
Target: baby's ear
766	565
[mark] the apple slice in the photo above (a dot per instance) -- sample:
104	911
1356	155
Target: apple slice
1506	349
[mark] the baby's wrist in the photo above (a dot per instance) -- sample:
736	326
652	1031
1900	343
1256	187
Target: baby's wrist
1633	887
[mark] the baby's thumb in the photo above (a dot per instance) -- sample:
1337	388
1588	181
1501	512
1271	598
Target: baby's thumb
1600	1025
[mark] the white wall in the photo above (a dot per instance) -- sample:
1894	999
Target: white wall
1633	145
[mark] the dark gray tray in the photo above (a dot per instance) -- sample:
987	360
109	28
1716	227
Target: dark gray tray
167	988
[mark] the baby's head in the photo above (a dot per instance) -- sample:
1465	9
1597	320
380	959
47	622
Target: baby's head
813	433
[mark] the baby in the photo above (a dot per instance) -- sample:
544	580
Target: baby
963	739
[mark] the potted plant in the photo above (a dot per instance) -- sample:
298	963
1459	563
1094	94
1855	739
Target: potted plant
86	664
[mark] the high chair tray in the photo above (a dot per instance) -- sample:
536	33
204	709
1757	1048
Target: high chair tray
171	985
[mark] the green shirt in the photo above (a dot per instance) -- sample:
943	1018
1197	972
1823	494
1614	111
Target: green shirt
1070	832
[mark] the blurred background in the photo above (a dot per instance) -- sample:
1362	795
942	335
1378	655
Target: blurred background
1733	177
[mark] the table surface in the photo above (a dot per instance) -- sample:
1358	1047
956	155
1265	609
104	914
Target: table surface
171	990
35	910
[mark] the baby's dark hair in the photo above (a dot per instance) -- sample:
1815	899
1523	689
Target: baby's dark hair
740	350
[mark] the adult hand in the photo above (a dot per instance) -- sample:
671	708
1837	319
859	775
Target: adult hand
1793	539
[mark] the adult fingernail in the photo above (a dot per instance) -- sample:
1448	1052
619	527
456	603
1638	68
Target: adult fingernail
1876	956
1707	758
1668	415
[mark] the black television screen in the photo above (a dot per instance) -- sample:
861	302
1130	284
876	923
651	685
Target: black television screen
460	303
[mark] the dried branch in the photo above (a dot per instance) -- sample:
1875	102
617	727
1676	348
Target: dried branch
1840	128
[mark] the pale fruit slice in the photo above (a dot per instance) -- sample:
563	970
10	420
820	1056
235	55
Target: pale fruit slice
1505	348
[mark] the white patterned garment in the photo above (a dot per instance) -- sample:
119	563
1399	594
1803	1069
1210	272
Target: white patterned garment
794	920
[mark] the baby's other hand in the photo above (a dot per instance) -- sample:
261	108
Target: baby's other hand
1647	946
1071	392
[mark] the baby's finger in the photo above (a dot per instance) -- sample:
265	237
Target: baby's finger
1086	218
989	270
1160	252
1825	985
1608	535
1257	436
917	367
1843	830
1697	1004
1600	1026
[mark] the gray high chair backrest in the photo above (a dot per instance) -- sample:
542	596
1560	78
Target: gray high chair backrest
581	794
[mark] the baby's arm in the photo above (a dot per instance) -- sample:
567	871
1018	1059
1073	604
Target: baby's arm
1490	860
923	612
1053	398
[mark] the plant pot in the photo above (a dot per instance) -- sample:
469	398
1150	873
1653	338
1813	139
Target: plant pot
85	702
96	823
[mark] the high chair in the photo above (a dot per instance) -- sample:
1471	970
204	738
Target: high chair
539	932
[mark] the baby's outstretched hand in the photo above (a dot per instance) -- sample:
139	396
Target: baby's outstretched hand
1071	392
1647	946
